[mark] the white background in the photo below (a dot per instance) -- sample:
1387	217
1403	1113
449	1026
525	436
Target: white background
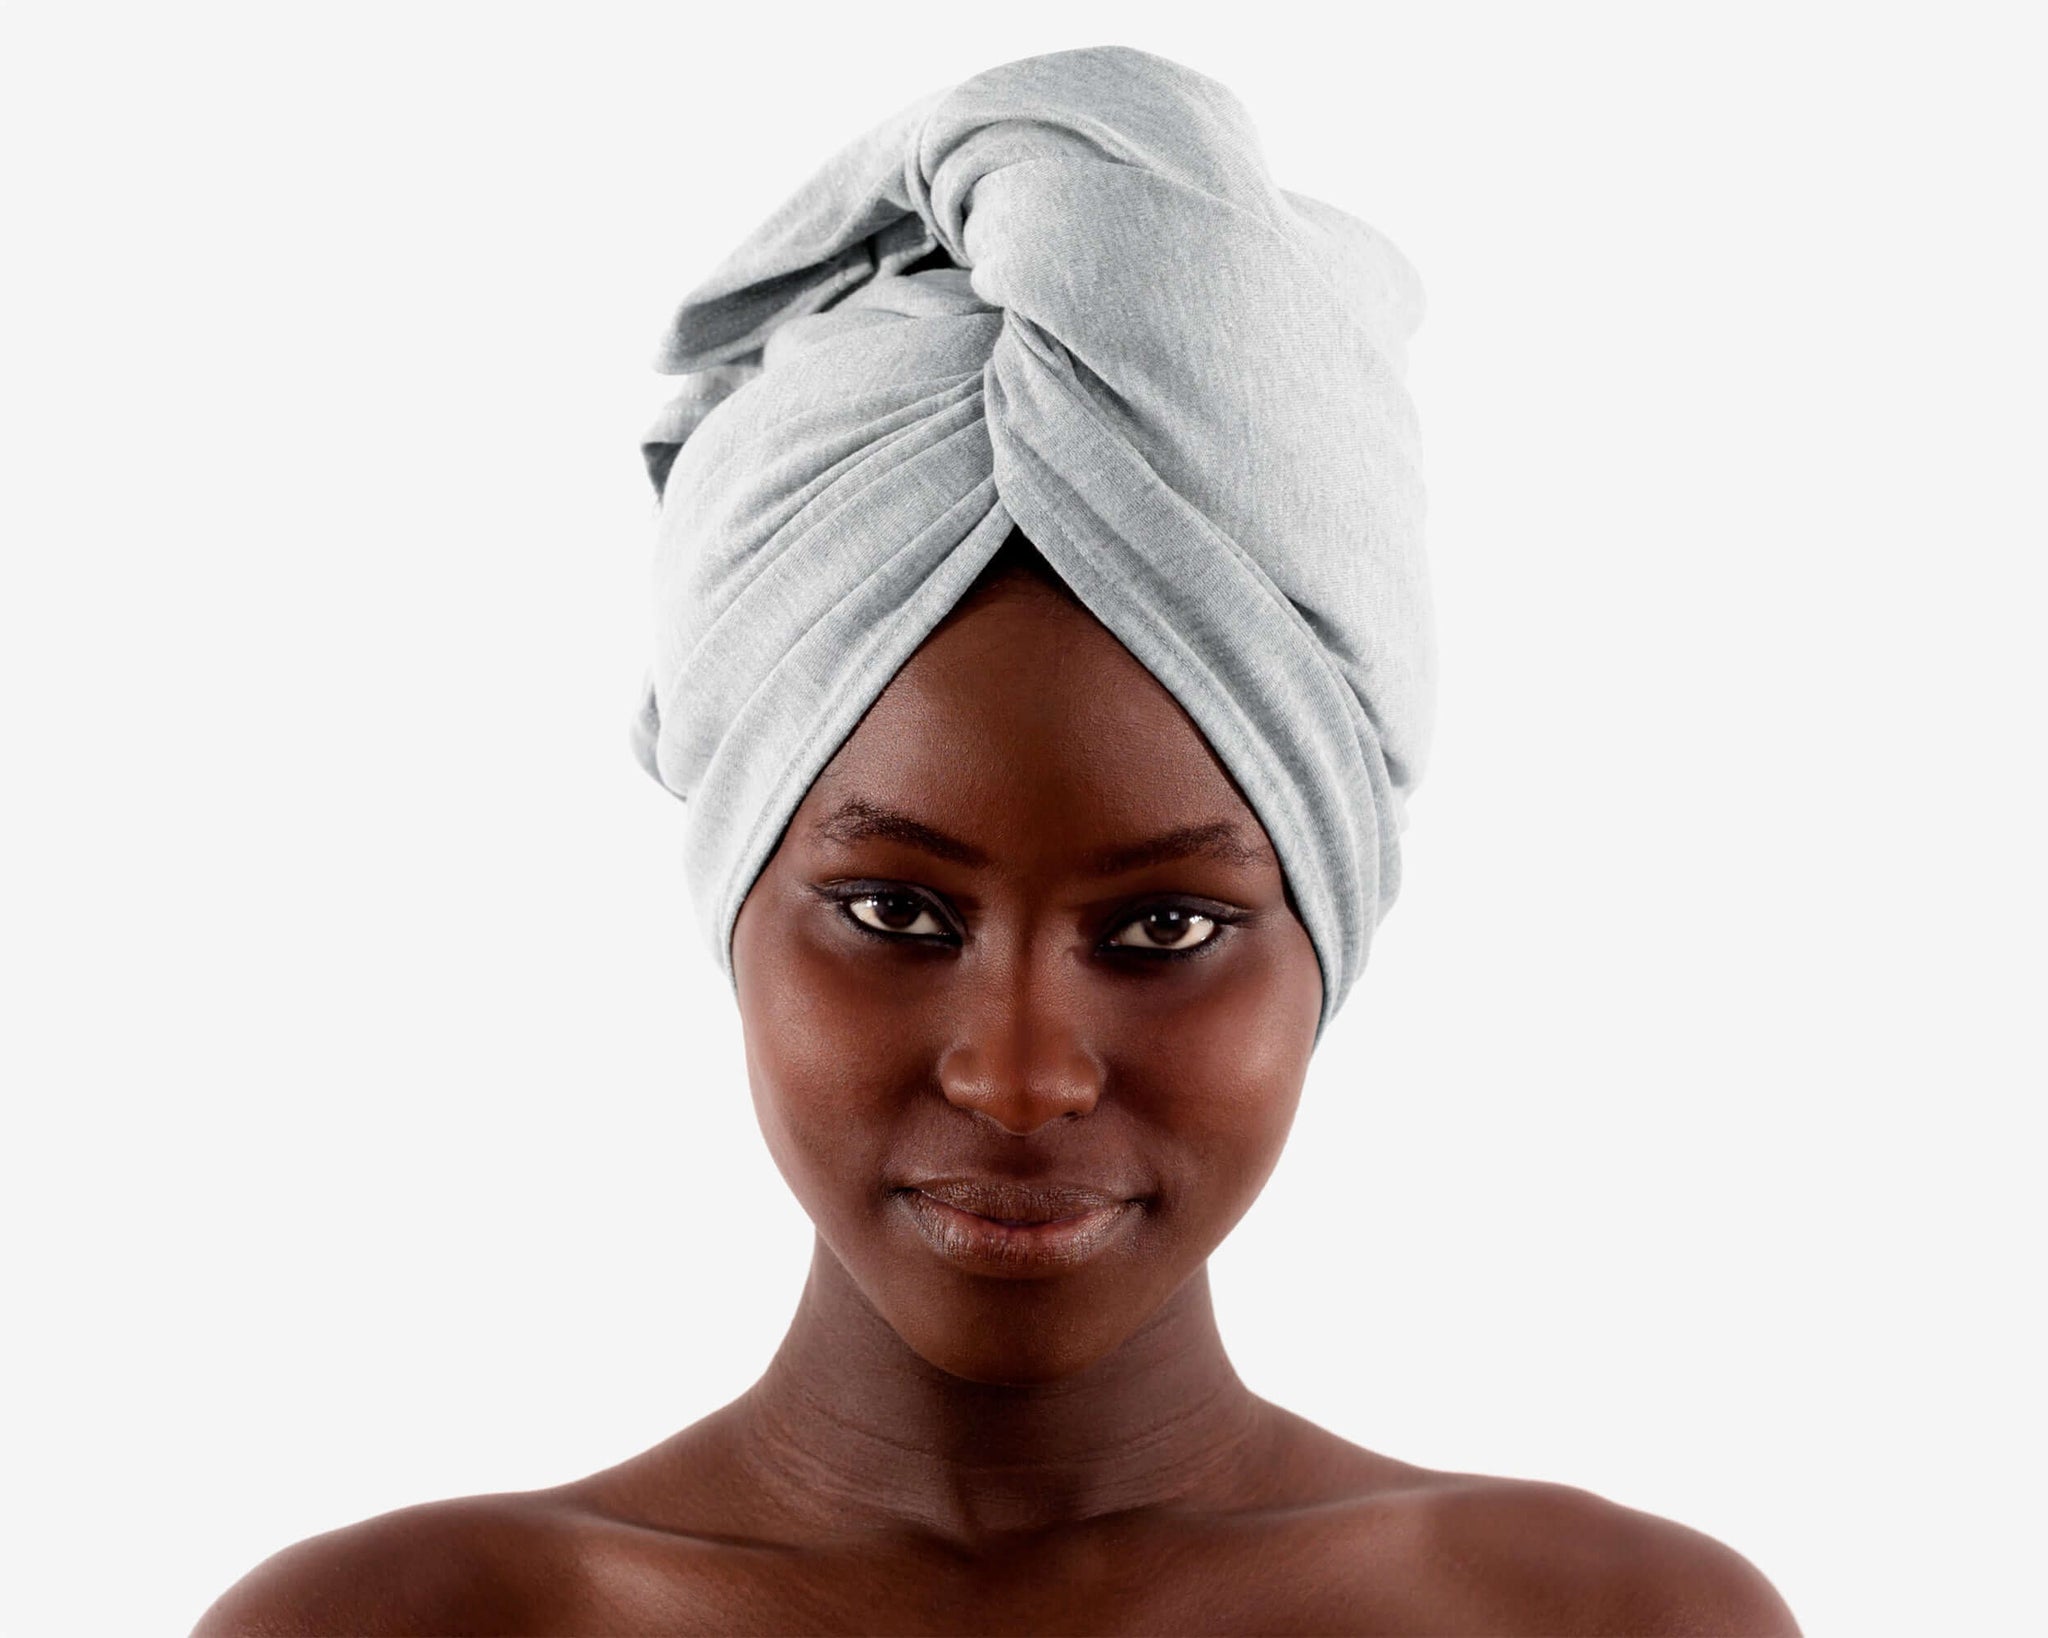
376	1128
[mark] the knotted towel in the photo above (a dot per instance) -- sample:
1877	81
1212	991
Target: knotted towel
1181	382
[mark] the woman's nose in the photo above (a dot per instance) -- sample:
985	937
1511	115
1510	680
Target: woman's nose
1017	1058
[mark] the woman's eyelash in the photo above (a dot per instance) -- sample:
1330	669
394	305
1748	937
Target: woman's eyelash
848	898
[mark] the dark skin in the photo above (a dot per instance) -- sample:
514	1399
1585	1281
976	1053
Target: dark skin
936	1449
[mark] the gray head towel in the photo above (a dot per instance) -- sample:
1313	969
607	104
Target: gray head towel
1064	297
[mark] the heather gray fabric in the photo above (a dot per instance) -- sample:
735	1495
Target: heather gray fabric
1181	382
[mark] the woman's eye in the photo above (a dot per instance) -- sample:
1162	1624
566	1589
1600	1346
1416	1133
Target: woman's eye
903	913
1168	928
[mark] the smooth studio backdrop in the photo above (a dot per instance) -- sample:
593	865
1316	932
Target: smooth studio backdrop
376	1129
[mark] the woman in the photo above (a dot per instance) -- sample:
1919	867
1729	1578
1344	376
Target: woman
1043	657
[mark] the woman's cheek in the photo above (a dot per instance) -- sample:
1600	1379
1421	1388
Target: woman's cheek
821	1063
1231	1084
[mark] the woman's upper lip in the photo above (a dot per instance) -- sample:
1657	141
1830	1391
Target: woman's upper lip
1007	1201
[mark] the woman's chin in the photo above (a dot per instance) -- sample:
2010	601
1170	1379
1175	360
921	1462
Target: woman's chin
1012	1333
1009	1360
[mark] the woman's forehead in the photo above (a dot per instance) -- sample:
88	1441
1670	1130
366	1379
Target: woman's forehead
1022	718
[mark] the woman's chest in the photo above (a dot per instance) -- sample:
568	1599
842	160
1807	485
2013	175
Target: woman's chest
1313	1576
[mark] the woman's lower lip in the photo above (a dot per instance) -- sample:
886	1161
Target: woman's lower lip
1016	1250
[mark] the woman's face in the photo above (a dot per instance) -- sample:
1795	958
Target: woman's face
967	961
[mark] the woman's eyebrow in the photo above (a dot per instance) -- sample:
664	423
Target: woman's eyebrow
856	820
1218	839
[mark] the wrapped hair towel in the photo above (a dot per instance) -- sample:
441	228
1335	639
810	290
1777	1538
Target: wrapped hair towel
1063	296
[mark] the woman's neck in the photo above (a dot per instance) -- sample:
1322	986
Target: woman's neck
851	1429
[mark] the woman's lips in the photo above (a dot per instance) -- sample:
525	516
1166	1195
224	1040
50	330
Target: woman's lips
1017	1250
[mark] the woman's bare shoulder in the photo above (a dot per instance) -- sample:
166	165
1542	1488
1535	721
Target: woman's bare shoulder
587	1554
497	1563
1525	1555
1441	1550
